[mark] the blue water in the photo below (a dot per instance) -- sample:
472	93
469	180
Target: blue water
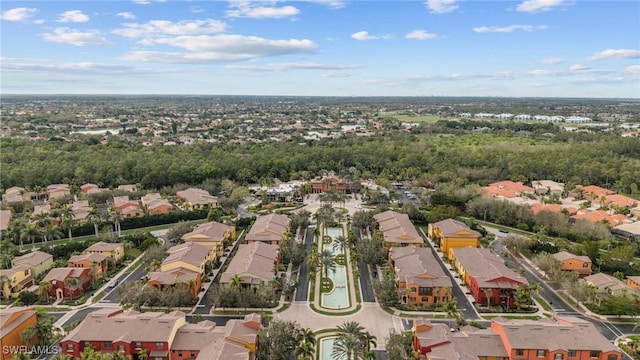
326	348
338	298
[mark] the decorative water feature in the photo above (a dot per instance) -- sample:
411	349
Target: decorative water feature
326	349
338	298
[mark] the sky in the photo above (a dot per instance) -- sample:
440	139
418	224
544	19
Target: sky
525	48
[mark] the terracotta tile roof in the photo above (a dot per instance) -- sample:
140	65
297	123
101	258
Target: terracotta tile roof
487	267
565	255
5	219
14	316
33	258
507	189
537	207
92	257
570	333
270	227
129	325
594	191
253	263
196	196
417	265
620	200
600	216
451	227
397	228
102	246
189	253
15	269
62	273
212	231
178	275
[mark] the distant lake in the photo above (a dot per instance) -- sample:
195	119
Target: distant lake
97	132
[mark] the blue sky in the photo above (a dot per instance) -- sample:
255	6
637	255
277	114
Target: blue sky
541	48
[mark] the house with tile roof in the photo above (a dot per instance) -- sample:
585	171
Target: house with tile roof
176	277
15	280
450	234
570	262
628	231
546	187
633	282
98	264
212	234
591	192
188	255
155	204
397	229
490	281
127	207
563	338
253	263
419	277
194	199
39	261
115	251
506	189
68	282
270	229
13	321
56	191
556	208
5	219
607	285
600	216
163	336
621	201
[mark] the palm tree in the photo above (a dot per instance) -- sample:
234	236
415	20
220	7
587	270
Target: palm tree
52	232
306	335
29	233
488	293
42	221
28	334
304	351
327	262
116	216
341	243
94	218
72	282
350	342
67	218
369	341
15	232
143	354
235	281
43	289
451	309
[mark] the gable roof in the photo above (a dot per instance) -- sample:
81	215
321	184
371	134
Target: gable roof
600	216
212	231
103	246
270	227
565	255
173	276
620	200
255	260
451	227
62	273
92	257
597	191
195	196
14	316
507	189
397	228
418	265
33	258
5	219
128	325
189	253
487	267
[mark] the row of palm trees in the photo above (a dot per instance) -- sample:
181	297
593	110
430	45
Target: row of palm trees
43	227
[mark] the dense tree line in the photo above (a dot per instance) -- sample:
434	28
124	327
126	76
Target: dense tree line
467	158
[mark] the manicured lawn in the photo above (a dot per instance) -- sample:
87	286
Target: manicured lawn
544	304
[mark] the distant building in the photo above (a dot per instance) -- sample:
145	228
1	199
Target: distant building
506	189
575	263
450	234
212	234
196	199
270	229
38	261
397	229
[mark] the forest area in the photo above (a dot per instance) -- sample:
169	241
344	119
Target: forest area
456	158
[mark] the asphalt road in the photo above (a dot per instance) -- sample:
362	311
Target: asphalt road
468	310
112	295
365	277
302	293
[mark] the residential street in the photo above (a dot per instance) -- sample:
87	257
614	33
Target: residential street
302	293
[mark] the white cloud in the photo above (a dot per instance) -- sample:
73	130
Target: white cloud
531	6
262	12
337	74
578	67
507	29
333	4
74	16
441	6
18	14
155	28
633	69
615	54
420	35
47	65
293	66
540	72
74	37
552	61
147	2
196	9
364	35
220	48
126	15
